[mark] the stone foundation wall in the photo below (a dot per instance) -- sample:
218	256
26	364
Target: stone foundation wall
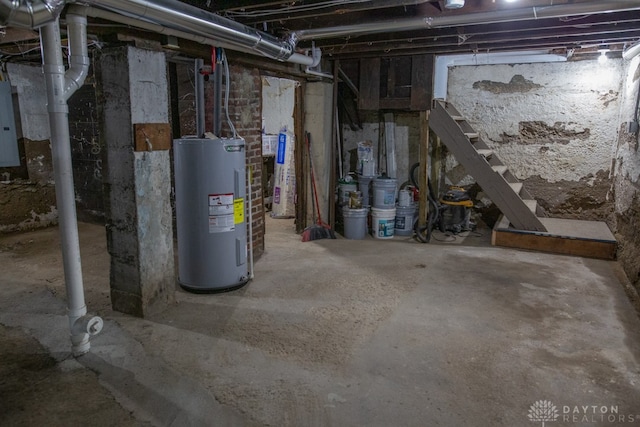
553	124
627	178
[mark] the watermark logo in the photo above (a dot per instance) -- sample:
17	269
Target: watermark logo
543	411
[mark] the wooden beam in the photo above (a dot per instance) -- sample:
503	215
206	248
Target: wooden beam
152	136
334	139
436	165
590	239
369	98
424	163
390	165
301	159
421	81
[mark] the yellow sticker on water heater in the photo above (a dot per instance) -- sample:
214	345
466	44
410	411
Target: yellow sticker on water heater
238	211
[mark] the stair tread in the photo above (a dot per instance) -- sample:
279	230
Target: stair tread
460	137
532	204
501	169
516	186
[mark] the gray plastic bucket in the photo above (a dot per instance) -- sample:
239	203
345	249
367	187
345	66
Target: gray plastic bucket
364	185
405	218
355	223
384	193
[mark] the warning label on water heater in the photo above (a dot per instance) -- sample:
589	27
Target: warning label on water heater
238	211
221	213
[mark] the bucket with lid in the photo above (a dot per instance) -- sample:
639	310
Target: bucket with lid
383	223
405	198
384	193
364	185
405	219
344	188
355	223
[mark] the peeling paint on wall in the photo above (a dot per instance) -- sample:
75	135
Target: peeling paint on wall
25	205
517	84
587	199
627	178
537	132
608	97
553	124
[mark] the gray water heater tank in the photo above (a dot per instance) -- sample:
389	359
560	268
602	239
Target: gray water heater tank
210	190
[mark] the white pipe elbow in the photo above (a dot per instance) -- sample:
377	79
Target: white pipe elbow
91	325
78	51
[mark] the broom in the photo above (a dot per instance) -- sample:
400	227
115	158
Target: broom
319	230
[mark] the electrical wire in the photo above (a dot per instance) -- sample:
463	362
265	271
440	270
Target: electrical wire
226	93
289	9
21	52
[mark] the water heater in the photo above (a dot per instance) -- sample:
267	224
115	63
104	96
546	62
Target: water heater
210	190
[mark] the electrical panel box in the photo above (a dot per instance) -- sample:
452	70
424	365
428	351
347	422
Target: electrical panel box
9	155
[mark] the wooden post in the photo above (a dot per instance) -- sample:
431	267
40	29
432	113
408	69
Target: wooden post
301	162
334	143
436	165
424	167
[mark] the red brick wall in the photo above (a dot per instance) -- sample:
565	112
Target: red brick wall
245	111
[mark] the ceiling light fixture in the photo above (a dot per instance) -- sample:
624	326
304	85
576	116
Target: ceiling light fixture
453	4
603	56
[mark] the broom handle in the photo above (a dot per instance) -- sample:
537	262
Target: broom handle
313	178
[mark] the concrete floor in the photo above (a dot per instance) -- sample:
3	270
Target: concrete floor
330	333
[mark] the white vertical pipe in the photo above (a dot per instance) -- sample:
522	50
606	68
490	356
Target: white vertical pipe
78	50
199	88
54	72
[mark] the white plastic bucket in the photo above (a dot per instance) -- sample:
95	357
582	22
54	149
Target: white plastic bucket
383	223
405	198
368	167
344	188
384	193
355	223
364	184
405	218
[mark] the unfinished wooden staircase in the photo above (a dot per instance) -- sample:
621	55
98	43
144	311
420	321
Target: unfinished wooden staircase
523	224
500	185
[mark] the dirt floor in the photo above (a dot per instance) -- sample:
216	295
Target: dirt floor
329	333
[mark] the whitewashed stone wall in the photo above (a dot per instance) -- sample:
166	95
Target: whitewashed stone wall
627	178
554	124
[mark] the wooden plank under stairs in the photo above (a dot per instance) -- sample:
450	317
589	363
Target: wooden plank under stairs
591	239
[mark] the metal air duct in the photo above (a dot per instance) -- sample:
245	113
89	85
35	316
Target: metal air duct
190	19
179	18
631	52
29	14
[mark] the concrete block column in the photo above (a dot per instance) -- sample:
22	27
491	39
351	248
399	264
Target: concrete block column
133	88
